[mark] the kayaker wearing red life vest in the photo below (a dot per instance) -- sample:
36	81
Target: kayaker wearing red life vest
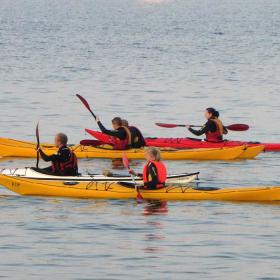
121	135
213	128
137	139
64	162
154	172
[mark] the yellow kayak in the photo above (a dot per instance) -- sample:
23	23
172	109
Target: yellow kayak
16	148
113	190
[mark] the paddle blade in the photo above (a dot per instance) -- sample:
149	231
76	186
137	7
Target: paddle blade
37	134
125	161
139	196
92	143
238	127
167	125
83	101
38	144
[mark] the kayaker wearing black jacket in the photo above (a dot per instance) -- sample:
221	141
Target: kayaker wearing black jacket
121	134
154	173
213	128
64	162
137	139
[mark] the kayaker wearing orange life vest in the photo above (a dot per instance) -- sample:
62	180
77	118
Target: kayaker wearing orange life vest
154	172
213	128
120	134
64	162
137	139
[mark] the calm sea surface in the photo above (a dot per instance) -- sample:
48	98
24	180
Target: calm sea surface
147	61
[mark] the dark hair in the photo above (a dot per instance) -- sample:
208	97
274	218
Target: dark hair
63	138
125	123
213	111
117	121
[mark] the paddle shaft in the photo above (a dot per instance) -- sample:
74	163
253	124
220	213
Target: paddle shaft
93	114
126	164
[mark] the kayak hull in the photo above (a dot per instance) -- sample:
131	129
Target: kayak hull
99	190
188	143
15	148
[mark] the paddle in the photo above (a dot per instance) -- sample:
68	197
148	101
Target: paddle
233	127
92	143
139	197
38	144
86	104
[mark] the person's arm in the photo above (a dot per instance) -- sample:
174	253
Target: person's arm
54	157
116	133
153	177
225	130
132	172
209	126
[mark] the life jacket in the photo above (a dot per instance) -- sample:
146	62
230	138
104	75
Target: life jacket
119	144
216	136
161	172
71	165
137	139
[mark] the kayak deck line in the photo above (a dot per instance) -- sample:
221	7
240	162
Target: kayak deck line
31	173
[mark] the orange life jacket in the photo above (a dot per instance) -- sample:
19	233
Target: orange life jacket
71	164
161	172
218	134
119	144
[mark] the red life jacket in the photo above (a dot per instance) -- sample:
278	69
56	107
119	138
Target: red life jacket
161	172
216	136
71	164
119	144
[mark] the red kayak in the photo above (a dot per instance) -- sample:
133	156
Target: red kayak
187	143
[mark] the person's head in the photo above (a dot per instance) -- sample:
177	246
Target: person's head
211	113
152	154
125	123
60	139
116	122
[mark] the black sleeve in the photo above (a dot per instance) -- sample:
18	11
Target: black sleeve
121	134
54	157
203	130
60	156
153	177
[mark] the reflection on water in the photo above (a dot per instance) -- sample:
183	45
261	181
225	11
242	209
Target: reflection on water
155	207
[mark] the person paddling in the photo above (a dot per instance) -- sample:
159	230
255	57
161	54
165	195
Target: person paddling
137	139
121	134
213	128
154	173
64	162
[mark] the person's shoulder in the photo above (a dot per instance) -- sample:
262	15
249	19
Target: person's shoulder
210	122
64	150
